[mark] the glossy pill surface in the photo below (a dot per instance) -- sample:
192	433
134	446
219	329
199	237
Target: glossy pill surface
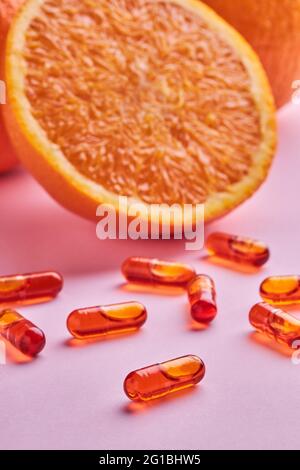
30	288
159	380
275	323
238	249
92	322
202	297
281	290
21	333
137	269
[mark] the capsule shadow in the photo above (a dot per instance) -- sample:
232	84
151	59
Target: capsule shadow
27	302
195	326
138	407
152	288
231	265
265	342
79	343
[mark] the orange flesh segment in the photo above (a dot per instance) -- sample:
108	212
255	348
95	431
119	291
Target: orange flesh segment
143	98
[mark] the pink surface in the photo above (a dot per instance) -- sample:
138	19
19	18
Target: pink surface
71	397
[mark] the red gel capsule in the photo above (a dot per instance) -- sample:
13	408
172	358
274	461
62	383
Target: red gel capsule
30	288
21	333
275	323
108	319
281	290
159	380
202	296
157	271
238	249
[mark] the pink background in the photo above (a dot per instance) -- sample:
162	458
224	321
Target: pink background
71	396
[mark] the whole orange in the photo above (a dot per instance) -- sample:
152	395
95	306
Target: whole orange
8	157
273	29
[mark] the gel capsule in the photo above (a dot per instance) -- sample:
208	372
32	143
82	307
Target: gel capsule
21	333
202	296
281	290
159	380
108	319
275	323
239	249
157	271
30	288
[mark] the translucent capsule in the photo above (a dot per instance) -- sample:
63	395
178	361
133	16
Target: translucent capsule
238	249
30	288
202	296
108	319
21	333
159	380
275	323
157	271
281	290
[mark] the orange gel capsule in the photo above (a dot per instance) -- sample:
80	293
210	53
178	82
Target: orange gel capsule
202	296
239	249
157	271
275	323
281	290
159	380
21	333
108	319
30	288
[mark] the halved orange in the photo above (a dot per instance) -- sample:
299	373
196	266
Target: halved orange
160	101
